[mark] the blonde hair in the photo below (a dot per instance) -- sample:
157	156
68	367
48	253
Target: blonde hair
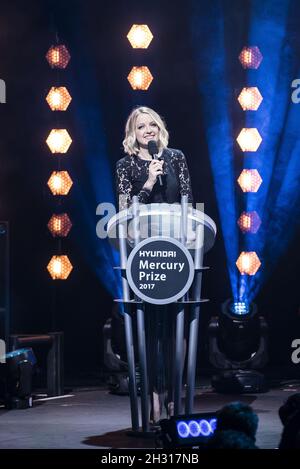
130	143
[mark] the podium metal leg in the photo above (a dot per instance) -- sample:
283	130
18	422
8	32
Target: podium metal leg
179	361
129	334
194	324
192	351
131	372
143	368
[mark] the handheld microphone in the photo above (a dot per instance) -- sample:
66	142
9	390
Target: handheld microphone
153	150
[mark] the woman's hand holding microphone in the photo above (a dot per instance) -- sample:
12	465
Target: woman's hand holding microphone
155	170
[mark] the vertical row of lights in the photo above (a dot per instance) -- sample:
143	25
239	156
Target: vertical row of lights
249	140
60	182
140	77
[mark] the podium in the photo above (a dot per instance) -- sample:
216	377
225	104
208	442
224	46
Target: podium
161	262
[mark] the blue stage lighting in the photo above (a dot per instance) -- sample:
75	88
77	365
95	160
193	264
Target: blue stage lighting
16	378
21	354
277	162
195	428
240	308
188	430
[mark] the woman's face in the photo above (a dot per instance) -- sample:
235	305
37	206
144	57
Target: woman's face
145	129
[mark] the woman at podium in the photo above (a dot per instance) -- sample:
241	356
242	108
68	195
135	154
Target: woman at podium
156	174
149	169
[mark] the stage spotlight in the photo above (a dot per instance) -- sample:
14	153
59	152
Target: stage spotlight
238	345
16	378
249	139
58	56
60	183
248	263
58	98
239	308
249	180
59	267
250	99
249	222
59	141
140	78
139	36
250	57
59	225
187	430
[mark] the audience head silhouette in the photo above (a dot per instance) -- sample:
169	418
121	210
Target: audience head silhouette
289	414
238	416
236	427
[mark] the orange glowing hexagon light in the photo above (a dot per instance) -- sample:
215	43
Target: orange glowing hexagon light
58	56
250	57
140	78
59	267
249	139
59	141
60	183
249	180
58	98
248	263
249	222
59	225
139	36
250	98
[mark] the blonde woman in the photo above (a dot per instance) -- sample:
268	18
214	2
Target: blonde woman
138	174
154	181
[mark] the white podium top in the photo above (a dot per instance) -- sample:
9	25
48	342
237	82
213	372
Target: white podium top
162	220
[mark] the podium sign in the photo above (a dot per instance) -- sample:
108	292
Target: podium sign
160	270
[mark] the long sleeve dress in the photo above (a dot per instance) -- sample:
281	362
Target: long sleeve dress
131	175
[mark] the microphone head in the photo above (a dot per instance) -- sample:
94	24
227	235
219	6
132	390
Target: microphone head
152	147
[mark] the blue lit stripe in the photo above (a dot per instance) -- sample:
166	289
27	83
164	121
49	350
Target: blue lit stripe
196	428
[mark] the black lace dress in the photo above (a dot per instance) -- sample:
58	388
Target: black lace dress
131	175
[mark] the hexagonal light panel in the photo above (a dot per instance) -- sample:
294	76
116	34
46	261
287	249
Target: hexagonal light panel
250	57
58	56
139	36
60	183
250	99
249	180
249	222
248	263
59	225
249	139
140	78
59	267
58	98
59	141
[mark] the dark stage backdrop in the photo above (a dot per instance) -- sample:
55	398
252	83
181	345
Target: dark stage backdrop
101	57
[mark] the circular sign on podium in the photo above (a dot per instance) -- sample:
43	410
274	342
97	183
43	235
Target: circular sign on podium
160	270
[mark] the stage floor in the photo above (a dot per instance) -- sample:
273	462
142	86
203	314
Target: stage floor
93	418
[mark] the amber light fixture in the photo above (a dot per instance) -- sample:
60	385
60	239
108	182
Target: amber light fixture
139	36
59	225
248	263
249	222
59	141
58	98
250	57
140	78
59	267
58	56
250	98
60	183
249	139
249	180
